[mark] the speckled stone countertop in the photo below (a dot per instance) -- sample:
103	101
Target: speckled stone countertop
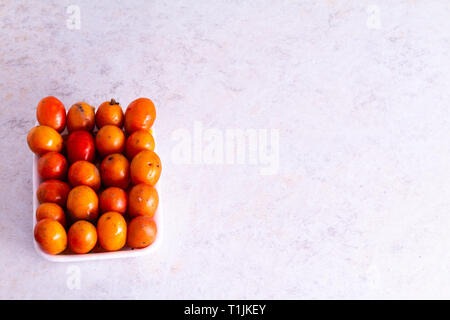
342	189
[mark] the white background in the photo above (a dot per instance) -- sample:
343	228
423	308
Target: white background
359	91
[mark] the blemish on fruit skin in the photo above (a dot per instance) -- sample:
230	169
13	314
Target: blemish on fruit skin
80	107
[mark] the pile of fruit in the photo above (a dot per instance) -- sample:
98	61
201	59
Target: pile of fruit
97	192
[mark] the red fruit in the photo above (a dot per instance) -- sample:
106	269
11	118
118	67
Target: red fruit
52	165
80	146
115	171
113	199
52	113
54	191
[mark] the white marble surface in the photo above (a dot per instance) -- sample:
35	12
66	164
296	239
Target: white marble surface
359	94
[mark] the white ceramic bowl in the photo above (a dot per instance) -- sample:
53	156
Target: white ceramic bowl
71	257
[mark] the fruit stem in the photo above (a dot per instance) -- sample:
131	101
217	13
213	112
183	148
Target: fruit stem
113	102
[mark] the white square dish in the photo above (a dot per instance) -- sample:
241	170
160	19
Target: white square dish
125	252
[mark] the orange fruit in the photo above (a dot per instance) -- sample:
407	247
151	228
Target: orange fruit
82	204
142	200
140	114
84	173
138	141
112	231
115	171
51	211
113	199
82	237
52	113
109	139
51	236
80	116
145	168
109	113
42	139
54	191
141	232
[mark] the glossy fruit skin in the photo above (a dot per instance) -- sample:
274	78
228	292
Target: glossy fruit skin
82	237
80	146
115	171
52	165
109	113
52	113
140	114
109	139
80	116
138	141
142	232
113	199
145	168
48	210
143	200
43	139
54	191
112	231
82	204
84	173
51	236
